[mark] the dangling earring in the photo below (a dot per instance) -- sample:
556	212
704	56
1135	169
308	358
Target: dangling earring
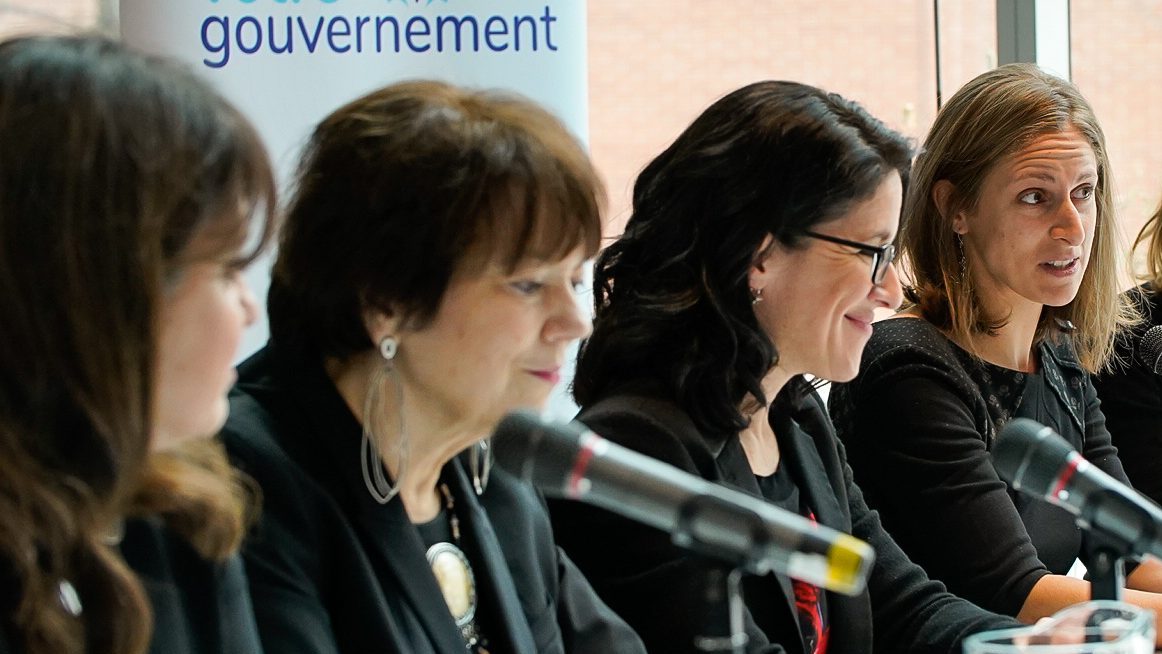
480	460
373	475
963	256
756	296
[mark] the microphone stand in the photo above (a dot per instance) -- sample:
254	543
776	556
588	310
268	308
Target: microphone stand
1107	569
723	630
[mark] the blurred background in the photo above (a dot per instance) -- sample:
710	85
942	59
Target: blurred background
654	64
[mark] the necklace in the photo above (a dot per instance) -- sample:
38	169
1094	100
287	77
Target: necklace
454	576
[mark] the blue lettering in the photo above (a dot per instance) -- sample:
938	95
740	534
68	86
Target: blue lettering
219	46
516	23
332	33
458	23
250	34
548	19
360	21
248	20
425	30
489	32
289	45
312	43
379	32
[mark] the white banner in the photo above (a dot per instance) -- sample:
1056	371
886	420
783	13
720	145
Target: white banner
288	63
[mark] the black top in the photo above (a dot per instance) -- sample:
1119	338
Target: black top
1131	399
333	571
919	422
199	607
782	490
9	599
6	647
655	584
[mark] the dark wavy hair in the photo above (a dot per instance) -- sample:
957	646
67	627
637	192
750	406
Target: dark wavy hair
407	185
117	171
671	296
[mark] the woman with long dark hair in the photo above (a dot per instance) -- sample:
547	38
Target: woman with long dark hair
759	249
127	191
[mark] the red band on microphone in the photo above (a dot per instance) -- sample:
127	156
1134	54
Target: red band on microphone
589	443
1067	472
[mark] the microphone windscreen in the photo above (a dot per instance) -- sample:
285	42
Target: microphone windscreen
1030	455
538	452
1150	349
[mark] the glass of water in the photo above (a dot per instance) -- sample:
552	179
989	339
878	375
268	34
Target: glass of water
1099	627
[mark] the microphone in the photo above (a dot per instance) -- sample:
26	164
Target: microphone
570	461
1150	349
1036	460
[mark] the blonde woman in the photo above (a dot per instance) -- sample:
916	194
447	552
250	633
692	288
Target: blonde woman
1131	389
1012	241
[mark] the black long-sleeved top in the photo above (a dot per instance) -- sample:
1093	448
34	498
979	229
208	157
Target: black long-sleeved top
198	606
656	585
1131	399
919	422
332	571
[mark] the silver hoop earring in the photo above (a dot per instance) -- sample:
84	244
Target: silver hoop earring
480	460
374	476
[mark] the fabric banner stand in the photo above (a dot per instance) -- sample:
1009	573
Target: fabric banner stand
288	63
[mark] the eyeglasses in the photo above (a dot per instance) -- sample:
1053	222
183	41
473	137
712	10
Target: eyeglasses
882	256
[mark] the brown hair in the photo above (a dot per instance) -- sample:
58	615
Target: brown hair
116	171
991	117
410	184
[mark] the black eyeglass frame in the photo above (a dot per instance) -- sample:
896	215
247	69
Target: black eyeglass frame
882	255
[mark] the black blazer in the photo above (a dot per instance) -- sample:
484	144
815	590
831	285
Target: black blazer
654	584
199	607
1131	399
333	571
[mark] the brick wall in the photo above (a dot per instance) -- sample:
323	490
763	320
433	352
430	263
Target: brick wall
23	16
655	64
1116	61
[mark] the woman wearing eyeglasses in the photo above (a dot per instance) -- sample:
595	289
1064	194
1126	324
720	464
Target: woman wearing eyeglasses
759	249
1012	242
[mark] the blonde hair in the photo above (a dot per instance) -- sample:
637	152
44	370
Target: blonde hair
1150	236
991	117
